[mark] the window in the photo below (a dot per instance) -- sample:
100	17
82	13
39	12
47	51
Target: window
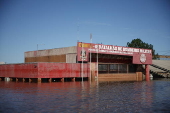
122	68
116	68
103	68
113	68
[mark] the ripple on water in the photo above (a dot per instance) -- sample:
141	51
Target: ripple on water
142	96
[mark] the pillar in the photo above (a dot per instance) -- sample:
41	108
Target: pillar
147	72
73	79
49	80
10	79
39	80
23	79
89	78
62	79
93	71
7	79
30	80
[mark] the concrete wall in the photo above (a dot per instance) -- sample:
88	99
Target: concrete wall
52	55
71	58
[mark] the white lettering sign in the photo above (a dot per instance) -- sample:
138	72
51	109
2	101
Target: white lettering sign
118	49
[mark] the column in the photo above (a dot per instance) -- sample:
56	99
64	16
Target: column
30	80
73	79
62	79
49	80
147	72
39	80
23	79
7	79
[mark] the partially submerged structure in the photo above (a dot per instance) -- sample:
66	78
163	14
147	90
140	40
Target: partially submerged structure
86	60
160	68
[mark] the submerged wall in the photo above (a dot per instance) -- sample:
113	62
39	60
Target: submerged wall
121	77
19	70
59	70
45	70
62	70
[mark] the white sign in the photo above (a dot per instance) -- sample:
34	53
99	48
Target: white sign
107	48
143	58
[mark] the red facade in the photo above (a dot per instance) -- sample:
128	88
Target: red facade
139	55
62	70
19	70
44	70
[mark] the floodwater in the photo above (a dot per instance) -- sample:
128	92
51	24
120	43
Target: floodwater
86	97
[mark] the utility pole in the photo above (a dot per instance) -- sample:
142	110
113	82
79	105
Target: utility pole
82	58
90	53
97	59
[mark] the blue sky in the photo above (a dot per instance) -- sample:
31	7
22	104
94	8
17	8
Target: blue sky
60	23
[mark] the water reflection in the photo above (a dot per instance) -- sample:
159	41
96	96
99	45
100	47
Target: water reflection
86	96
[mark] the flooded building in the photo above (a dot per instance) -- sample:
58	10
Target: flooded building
104	62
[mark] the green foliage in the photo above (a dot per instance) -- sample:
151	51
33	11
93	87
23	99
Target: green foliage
138	43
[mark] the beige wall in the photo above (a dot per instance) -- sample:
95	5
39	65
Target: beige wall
66	54
53	58
121	77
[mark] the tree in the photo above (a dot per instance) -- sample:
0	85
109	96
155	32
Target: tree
138	43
